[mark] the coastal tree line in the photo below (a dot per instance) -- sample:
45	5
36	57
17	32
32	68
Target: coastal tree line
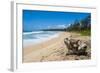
83	26
80	25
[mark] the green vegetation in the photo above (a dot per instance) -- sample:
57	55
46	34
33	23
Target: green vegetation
79	26
59	29
86	33
83	27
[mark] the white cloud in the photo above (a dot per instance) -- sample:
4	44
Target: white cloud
58	26
61	26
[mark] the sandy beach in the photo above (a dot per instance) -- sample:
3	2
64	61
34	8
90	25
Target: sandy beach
50	50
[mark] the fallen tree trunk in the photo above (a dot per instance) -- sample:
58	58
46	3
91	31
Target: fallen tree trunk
75	47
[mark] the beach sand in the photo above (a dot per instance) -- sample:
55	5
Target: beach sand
51	50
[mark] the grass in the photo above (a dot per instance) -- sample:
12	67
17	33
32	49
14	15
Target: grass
86	32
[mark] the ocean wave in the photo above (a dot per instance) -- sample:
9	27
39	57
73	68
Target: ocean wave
34	32
32	38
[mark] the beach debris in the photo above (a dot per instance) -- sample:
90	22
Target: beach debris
75	46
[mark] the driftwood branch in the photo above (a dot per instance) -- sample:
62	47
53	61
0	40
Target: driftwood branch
75	47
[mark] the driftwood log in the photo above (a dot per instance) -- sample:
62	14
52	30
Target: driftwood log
75	47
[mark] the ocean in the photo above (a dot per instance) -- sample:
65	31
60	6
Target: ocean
36	37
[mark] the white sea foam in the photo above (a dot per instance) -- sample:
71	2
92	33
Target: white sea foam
32	32
33	38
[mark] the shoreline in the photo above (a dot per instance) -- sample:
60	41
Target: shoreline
50	50
48	41
28	43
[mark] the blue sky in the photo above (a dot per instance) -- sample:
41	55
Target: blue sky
34	19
